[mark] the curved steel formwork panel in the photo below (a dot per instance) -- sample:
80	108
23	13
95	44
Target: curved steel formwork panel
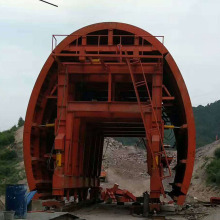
106	80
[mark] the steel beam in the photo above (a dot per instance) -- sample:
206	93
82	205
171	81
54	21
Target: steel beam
116	107
79	68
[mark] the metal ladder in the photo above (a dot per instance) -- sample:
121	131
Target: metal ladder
142	106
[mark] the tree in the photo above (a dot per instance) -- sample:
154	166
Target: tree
20	122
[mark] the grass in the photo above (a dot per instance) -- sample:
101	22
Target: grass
213	169
7	137
217	153
10	173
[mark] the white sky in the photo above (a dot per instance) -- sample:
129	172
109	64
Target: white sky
191	30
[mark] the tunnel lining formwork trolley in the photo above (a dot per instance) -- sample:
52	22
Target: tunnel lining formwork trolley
106	80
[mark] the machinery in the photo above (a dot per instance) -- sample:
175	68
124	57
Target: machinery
103	175
106	80
115	194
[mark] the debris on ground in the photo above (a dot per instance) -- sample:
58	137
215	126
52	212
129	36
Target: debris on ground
115	194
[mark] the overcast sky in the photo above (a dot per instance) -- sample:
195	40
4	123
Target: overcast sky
191	30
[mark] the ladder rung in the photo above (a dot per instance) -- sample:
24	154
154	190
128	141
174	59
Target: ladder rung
142	83
133	61
145	107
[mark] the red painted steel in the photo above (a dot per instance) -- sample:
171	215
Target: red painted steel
215	200
115	194
106	80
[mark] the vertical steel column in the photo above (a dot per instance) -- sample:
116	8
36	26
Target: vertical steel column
68	143
75	150
87	152
60	131
155	181
82	148
100	155
110	37
93	155
109	86
148	119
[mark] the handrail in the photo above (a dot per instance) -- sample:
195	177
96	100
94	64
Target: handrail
54	38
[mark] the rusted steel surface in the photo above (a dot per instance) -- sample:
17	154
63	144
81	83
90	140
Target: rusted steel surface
106	80
215	200
115	194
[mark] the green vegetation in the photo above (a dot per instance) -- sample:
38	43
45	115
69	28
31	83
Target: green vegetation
207	119
217	153
213	169
9	171
7	137
20	122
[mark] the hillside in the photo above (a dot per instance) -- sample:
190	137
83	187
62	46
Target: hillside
11	157
207	119
199	187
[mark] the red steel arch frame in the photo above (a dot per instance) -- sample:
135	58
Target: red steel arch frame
52	78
